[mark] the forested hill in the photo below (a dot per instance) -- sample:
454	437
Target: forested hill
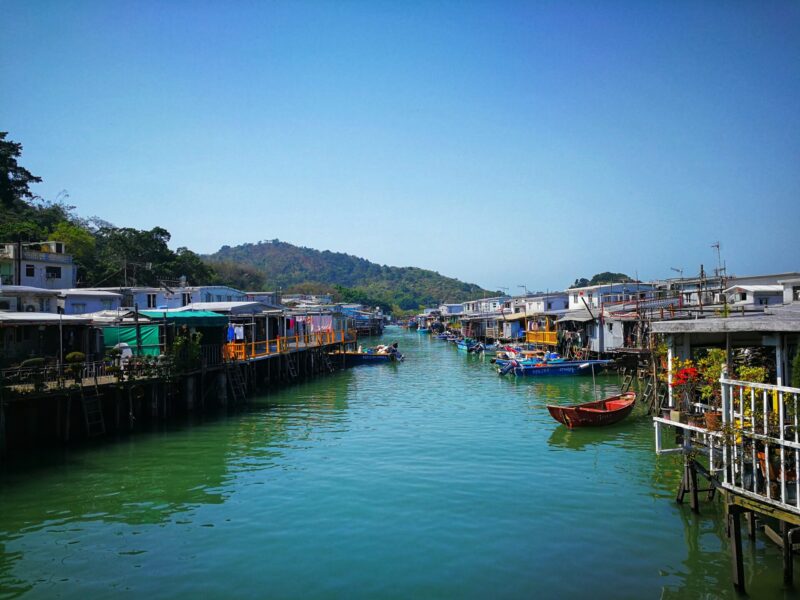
299	269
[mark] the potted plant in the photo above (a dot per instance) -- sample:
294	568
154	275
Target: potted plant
75	361
711	367
684	385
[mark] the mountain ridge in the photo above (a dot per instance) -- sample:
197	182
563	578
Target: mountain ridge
302	269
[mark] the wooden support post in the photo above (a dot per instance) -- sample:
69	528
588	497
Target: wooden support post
3	427
735	537
751	524
68	410
682	487
692	475
788	575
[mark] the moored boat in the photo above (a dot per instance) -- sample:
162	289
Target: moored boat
372	356
593	414
562	367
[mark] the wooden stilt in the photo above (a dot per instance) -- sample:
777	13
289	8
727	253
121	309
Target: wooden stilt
735	537
692	476
68	411
751	524
3	427
788	574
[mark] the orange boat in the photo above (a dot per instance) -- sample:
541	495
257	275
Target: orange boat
594	414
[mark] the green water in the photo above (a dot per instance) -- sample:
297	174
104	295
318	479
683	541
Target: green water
434	478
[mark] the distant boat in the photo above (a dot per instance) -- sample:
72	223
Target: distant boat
594	414
423	330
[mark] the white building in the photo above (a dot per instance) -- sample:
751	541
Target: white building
174	297
536	305
754	296
24	298
83	301
41	265
606	293
484	305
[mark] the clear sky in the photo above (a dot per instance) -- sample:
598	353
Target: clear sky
501	143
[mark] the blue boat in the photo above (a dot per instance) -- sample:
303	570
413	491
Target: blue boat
423	330
467	344
564	367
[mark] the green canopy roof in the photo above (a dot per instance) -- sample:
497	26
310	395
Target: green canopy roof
196	318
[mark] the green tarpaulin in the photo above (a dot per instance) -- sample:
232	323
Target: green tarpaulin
192	318
127	334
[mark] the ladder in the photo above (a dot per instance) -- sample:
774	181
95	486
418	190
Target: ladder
93	414
326	360
236	382
290	365
627	380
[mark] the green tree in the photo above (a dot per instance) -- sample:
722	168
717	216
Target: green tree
15	180
80	243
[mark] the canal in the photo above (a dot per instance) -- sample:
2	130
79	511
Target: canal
433	478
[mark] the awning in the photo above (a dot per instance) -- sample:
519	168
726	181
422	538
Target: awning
579	316
193	318
514	316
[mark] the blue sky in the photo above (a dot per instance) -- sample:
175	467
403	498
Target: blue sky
501	143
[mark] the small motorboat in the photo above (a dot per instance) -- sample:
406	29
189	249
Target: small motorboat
372	356
594	414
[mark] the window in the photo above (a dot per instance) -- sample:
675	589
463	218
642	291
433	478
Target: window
186	298
151	300
549	305
743	296
574	297
30	271
78	308
107	304
796	292
53	272
763	301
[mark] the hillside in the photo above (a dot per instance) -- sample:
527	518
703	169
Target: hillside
294	268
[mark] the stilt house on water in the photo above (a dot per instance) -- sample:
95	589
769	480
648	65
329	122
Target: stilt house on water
740	428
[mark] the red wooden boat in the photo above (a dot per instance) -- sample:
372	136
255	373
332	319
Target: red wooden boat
593	414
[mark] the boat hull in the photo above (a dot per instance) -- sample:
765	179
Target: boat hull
353	359
540	369
594	414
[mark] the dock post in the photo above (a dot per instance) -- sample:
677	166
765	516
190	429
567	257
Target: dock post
788	575
222	389
3	426
735	537
751	524
692	475
189	393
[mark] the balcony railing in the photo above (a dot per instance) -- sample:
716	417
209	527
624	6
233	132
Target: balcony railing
282	345
549	338
756	452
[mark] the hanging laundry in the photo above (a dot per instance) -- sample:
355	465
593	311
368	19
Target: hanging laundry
239	332
231	333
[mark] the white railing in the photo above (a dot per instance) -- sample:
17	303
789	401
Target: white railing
757	450
764	441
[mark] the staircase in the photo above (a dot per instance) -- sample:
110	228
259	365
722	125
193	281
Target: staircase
326	360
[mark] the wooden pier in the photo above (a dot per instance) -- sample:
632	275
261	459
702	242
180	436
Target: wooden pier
48	405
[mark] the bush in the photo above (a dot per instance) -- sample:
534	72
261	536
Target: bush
75	357
32	363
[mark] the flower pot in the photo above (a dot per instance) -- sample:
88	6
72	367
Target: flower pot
676	415
713	420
